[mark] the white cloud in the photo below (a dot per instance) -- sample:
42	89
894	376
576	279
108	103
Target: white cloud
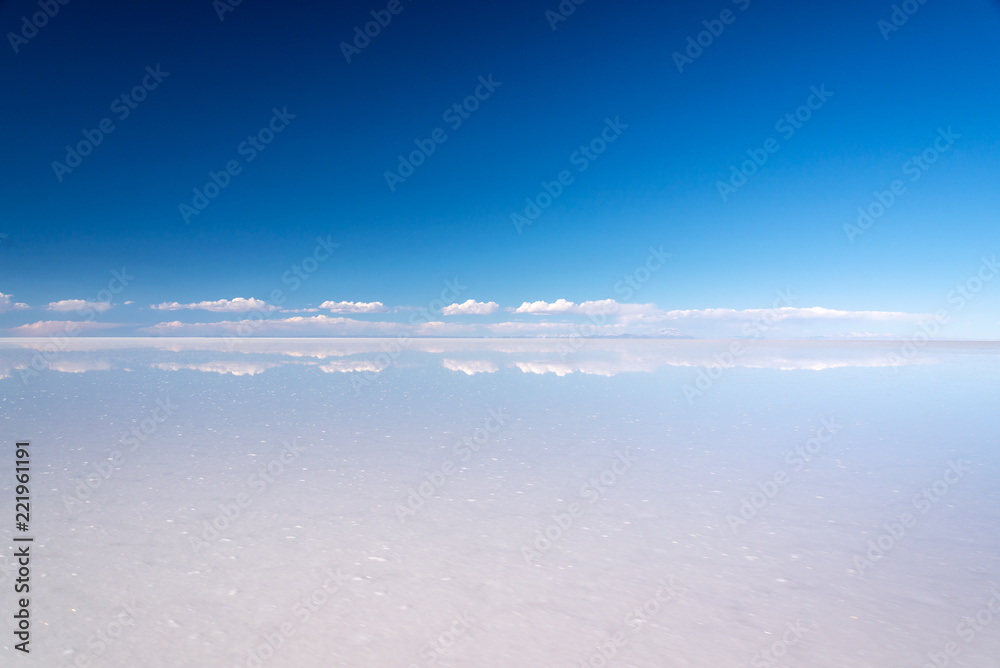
7	305
540	329
354	307
471	307
59	327
78	305
237	305
608	307
317	325
558	306
593	307
790	313
444	329
635	313
560	318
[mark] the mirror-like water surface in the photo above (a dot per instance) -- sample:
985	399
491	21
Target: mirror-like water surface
291	502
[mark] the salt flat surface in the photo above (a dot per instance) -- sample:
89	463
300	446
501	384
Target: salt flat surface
305	502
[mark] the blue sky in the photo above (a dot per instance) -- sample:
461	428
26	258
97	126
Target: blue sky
278	73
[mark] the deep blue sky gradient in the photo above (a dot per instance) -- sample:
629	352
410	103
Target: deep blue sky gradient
655	185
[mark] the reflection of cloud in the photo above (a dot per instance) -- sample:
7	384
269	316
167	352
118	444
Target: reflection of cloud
611	357
470	367
7	367
587	367
559	369
604	357
805	365
349	366
79	366
78	305
471	307
58	327
782	364
237	305
235	368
